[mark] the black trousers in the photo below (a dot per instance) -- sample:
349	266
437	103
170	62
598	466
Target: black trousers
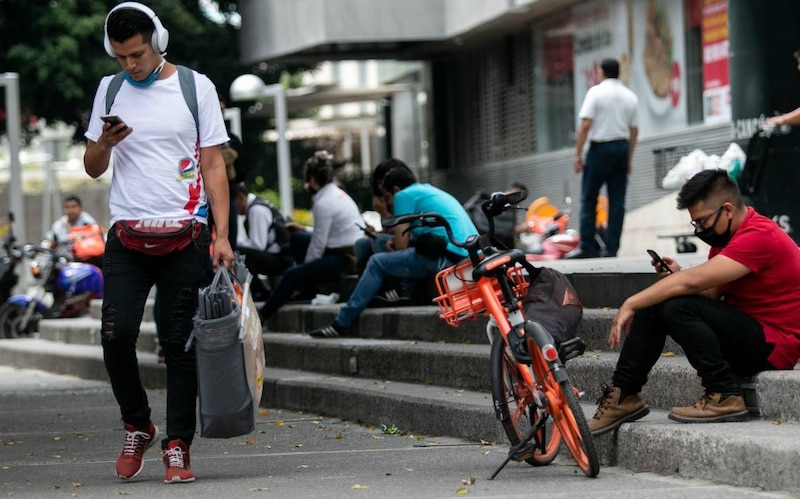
128	278
718	340
261	262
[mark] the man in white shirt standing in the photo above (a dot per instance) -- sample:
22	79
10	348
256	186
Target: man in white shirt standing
609	122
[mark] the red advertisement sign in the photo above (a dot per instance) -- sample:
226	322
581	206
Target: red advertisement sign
716	76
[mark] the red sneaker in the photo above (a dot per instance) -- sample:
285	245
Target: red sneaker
130	461
176	461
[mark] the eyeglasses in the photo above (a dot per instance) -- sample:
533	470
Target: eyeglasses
700	223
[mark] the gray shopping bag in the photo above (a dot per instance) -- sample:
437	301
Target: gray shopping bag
226	402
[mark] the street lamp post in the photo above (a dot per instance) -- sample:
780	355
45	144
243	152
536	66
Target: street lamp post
11	82
251	87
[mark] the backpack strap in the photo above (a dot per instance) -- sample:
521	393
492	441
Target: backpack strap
277	225
188	89
112	90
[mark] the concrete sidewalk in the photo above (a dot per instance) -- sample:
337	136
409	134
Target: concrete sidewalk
59	437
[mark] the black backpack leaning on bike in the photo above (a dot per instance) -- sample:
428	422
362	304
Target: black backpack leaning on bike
553	302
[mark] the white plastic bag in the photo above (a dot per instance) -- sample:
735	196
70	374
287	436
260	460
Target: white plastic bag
687	166
252	344
733	160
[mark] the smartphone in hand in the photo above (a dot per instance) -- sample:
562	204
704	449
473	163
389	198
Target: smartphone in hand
660	261
368	233
113	120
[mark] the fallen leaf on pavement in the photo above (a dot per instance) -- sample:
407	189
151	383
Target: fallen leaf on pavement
360	487
668	354
259	489
462	490
470	480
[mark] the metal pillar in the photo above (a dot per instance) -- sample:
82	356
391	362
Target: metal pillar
11	82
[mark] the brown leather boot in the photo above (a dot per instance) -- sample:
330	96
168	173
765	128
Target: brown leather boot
710	409
612	412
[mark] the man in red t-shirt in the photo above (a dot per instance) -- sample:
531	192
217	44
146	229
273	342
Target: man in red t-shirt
734	314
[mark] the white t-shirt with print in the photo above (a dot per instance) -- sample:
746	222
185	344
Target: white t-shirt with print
155	168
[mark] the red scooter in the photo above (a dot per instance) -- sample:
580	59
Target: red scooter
548	237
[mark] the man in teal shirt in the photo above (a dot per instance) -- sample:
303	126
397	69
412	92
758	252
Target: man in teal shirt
415	254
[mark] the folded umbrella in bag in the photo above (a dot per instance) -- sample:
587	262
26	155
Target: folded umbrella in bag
226	400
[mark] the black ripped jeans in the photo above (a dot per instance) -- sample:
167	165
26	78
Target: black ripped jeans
718	339
129	276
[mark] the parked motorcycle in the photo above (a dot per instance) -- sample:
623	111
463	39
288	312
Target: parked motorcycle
71	286
10	258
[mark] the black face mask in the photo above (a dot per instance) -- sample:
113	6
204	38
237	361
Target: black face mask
713	239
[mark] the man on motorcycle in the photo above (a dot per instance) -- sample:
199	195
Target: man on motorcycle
74	216
78	234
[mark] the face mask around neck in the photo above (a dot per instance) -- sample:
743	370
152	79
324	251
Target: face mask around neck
147	81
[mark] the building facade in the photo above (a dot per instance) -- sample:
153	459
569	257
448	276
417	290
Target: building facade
502	80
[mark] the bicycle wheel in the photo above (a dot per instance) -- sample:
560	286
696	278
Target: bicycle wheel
571	423
512	401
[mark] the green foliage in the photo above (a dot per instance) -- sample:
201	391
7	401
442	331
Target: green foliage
56	47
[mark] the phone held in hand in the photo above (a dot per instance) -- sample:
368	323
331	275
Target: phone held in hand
113	120
660	261
368	233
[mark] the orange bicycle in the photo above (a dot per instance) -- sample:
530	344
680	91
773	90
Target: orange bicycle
533	396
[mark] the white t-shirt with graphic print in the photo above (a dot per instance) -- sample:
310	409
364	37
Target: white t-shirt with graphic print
155	168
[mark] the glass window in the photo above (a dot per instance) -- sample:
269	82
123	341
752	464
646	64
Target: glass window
553	83
673	54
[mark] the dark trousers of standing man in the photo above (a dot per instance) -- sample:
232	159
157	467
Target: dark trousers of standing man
606	163
128	278
718	339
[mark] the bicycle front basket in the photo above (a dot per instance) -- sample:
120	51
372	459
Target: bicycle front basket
459	299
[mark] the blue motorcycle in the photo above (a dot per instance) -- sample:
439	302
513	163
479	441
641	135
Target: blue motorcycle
72	286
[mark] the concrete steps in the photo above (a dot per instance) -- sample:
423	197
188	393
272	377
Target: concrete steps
755	454
407	368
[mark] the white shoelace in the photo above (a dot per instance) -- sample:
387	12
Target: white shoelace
134	441
175	457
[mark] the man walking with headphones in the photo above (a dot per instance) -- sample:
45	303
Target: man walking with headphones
161	126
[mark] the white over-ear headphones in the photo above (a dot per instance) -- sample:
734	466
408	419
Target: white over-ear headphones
160	36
